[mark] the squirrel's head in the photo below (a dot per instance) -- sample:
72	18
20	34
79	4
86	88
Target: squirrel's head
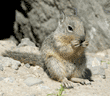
72	26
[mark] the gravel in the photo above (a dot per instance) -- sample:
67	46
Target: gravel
26	42
1	67
9	62
27	65
30	81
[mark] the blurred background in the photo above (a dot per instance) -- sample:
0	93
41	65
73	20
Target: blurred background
36	19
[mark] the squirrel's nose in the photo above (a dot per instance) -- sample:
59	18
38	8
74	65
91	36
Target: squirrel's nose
82	39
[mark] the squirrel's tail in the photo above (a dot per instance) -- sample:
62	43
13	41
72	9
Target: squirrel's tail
30	58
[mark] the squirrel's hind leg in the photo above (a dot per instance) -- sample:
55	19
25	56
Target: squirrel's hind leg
57	71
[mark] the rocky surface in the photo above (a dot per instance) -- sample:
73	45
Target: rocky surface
30	80
38	19
96	65
8	62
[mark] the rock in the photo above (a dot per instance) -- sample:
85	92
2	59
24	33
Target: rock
32	95
1	67
106	56
26	42
98	70
5	45
104	65
103	76
43	87
15	72
16	65
2	94
30	81
38	19
27	65
9	62
24	94
89	60
94	64
42	19
9	79
101	54
2	78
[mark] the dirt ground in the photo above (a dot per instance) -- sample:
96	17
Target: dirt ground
12	84
100	87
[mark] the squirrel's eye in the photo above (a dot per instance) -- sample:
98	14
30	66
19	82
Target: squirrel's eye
70	28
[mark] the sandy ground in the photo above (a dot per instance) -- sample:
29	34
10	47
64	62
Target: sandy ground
12	84
101	87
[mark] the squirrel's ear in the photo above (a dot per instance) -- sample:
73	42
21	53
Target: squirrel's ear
62	17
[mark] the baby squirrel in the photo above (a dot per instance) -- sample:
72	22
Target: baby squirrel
62	52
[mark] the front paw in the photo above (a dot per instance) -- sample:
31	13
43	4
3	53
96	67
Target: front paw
85	44
75	43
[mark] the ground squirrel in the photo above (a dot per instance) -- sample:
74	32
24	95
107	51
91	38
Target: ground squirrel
63	52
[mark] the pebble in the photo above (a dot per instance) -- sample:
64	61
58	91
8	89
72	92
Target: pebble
96	62
30	81
43	87
106	56
96	66
27	65
89	60
104	65
26	42
9	62
2	94
15	72
2	78
97	70
16	65
1	67
103	76
32	95
9	79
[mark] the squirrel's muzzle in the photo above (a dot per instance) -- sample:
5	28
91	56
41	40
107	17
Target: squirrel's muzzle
82	39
